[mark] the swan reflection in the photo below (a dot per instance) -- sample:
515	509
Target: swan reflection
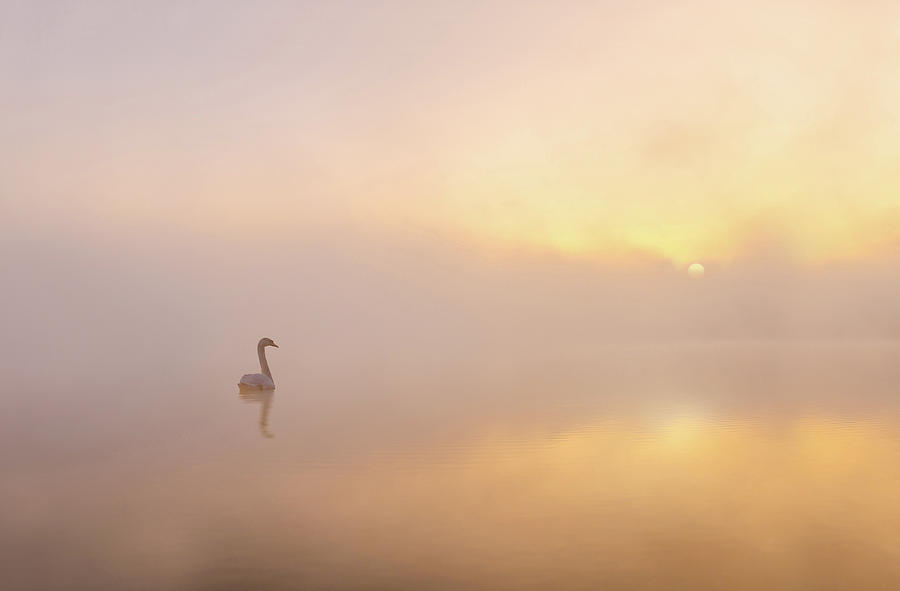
265	397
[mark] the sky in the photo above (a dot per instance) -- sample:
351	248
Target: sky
522	166
673	130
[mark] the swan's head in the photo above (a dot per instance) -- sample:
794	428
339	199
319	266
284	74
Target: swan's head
267	342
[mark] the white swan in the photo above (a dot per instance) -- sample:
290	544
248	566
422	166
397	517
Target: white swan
260	381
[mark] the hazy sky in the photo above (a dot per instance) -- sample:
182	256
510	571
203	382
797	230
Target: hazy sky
615	131
412	180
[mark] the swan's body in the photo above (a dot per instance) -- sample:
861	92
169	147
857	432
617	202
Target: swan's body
260	381
257	380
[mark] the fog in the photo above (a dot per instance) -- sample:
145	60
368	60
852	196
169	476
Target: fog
446	417
89	305
415	183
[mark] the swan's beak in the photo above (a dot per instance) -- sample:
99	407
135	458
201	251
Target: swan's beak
276	346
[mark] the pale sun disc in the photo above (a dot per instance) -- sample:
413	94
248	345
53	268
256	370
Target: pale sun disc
696	271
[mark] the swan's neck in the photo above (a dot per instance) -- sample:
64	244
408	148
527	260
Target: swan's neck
263	364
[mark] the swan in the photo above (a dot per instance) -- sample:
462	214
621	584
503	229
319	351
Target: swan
260	381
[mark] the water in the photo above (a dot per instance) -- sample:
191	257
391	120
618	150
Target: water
707	466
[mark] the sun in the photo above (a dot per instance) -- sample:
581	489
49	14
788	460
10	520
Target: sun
696	271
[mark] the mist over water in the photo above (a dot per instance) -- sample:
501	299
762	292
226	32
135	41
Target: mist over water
172	299
442	419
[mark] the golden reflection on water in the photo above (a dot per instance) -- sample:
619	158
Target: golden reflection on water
685	503
396	486
688	504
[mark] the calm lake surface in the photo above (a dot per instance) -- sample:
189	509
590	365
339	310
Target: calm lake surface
712	466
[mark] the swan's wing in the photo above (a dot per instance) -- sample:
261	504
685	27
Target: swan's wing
257	380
